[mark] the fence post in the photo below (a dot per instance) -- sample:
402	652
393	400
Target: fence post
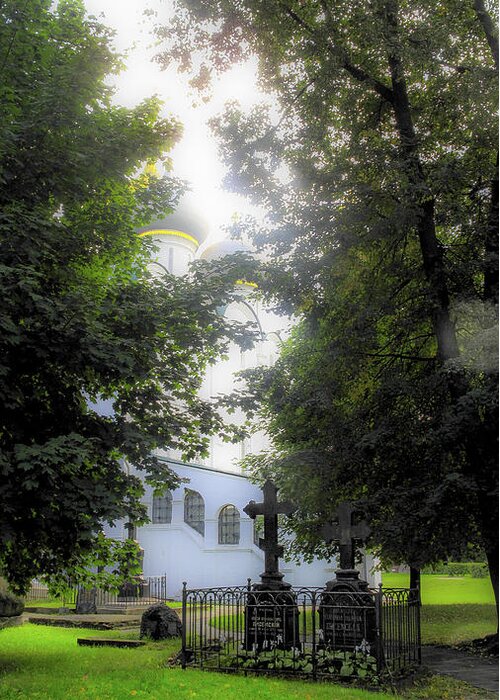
419	633
378	626
184	618
314	649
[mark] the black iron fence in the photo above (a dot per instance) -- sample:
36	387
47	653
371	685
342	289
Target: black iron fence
150	590
303	631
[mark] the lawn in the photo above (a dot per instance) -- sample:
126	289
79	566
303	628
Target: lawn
45	663
446	590
454	609
41	662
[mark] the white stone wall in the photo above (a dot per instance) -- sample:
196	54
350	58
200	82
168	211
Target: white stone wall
182	554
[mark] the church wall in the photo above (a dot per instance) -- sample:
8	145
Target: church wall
182	554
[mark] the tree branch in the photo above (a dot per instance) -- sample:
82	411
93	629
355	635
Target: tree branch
489	28
398	356
340	54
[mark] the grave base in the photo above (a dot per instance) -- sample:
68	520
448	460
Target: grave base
347	614
271	617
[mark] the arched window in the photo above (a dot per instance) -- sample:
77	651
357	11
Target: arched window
229	525
194	511
162	508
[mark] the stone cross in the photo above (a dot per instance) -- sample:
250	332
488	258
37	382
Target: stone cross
346	534
270	509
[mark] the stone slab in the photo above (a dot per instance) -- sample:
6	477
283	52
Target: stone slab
93	622
96	642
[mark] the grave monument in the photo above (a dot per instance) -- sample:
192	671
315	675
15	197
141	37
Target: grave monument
347	609
271	612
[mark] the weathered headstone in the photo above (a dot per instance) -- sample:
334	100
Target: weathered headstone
86	601
347	616
11	608
271	612
347	609
160	622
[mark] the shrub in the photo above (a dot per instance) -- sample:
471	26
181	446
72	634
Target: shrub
451	568
341	664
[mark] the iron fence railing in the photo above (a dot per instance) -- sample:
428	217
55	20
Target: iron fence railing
150	590
302	631
39	591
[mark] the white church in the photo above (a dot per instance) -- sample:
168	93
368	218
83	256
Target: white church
198	533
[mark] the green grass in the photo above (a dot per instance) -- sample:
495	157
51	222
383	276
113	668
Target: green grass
45	663
454	609
446	590
42	663
451	624
53	603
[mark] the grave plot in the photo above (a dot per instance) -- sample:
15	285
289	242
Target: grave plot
344	630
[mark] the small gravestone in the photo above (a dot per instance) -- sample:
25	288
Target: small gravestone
86	601
10	605
347	609
11	608
160	622
271	612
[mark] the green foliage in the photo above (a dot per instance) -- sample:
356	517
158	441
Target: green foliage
380	176
345	665
100	364
454	568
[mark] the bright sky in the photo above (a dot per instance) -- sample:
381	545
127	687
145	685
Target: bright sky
195	157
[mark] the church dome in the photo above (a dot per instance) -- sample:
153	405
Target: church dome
186	222
226	247
220	249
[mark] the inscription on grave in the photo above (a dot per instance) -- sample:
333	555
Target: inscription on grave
271	621
347	619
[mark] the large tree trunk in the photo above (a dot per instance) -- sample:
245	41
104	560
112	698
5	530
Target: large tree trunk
490	291
421	195
415	580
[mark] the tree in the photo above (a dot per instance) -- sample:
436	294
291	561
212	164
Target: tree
82	321
381	178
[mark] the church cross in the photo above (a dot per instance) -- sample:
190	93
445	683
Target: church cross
346	534
270	509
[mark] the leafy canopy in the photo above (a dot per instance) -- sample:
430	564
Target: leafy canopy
100	364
